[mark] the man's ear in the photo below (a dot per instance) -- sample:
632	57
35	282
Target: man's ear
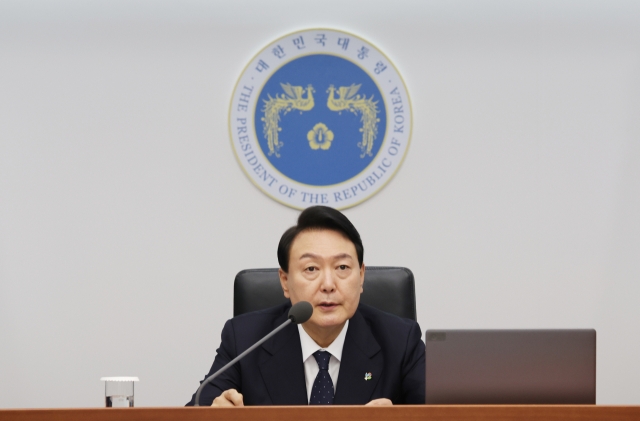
284	278
362	270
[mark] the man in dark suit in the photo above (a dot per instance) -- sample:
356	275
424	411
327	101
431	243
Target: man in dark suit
346	353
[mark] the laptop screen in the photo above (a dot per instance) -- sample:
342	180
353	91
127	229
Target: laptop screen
511	366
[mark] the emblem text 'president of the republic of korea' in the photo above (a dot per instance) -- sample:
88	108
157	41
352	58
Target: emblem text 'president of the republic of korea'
347	353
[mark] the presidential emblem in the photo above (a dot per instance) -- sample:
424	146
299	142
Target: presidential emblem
320	117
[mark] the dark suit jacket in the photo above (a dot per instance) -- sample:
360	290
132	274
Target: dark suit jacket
387	346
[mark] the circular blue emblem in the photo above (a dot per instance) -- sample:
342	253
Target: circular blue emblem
320	117
325	158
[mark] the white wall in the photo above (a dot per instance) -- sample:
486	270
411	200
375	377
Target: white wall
124	215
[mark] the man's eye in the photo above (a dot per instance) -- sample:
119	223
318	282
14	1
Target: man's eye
311	269
343	267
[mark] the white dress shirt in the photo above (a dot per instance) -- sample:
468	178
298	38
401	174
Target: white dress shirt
309	346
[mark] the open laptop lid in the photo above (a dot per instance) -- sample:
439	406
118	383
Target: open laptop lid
511	366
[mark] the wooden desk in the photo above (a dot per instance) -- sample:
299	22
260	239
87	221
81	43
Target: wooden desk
336	413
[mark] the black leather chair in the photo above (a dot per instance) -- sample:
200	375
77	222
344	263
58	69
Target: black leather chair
390	289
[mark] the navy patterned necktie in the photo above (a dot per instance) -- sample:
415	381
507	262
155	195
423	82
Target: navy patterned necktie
322	390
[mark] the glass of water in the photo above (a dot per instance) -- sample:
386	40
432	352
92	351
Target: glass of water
118	391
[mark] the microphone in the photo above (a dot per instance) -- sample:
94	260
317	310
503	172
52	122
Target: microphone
299	313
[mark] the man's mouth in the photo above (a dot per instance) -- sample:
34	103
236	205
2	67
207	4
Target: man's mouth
327	305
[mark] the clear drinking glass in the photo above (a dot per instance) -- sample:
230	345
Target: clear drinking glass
118	391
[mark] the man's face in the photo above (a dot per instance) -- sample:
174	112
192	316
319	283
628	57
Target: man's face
324	270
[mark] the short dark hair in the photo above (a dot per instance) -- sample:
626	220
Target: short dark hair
319	217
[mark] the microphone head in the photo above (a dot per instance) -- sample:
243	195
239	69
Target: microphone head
300	312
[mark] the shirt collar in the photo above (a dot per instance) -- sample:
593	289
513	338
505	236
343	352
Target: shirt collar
309	346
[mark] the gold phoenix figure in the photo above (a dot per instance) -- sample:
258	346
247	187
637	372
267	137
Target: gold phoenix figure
291	100
349	100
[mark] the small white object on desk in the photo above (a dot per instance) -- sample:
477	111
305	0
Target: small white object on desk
118	391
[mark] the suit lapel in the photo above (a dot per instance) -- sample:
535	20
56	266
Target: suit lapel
360	354
282	368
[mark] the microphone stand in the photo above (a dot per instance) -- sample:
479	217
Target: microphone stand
236	359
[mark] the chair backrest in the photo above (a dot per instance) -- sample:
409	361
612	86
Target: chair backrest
390	289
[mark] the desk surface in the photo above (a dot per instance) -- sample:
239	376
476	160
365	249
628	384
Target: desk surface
336	413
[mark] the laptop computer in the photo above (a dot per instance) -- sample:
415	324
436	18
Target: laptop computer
511	366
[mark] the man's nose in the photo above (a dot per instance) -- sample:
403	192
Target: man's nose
328	282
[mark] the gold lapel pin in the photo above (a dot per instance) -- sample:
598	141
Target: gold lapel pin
367	376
